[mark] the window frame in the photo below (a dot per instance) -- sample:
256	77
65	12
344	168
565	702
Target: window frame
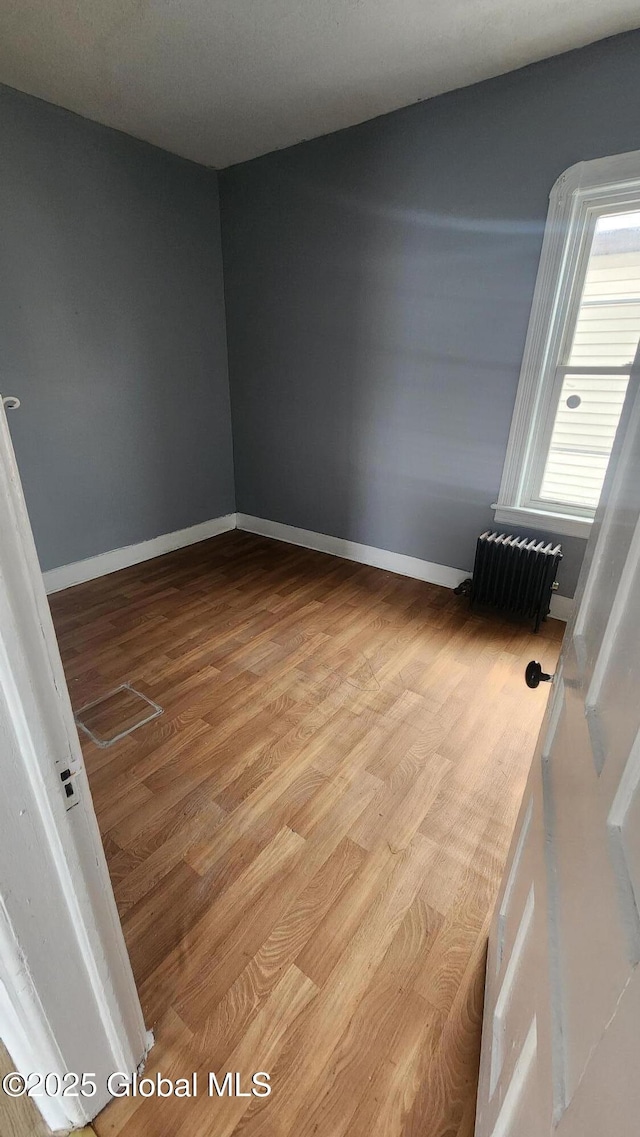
581	194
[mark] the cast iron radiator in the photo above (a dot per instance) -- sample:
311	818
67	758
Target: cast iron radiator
515	574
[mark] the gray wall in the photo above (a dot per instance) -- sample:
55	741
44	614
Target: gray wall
112	332
378	285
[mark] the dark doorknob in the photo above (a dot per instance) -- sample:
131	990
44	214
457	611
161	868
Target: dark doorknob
534	675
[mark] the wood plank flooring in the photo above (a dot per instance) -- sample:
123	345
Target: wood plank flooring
306	846
19	1117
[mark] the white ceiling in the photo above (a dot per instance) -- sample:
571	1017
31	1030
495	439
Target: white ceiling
224	80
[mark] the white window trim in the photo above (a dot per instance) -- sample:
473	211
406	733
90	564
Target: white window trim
578	192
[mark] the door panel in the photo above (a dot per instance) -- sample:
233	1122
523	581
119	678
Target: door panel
513	1016
608	1099
612	695
508	908
624	840
588	921
511	1058
519	1113
610	545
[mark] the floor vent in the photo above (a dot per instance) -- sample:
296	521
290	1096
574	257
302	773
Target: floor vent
115	715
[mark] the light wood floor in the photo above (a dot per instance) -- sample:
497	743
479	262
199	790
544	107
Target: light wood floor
19	1117
306	846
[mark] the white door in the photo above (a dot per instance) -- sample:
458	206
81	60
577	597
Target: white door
561	1038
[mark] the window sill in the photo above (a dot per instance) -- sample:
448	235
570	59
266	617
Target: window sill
560	523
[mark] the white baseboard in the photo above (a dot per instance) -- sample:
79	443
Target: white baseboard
58	578
399	563
353	551
67	575
561	607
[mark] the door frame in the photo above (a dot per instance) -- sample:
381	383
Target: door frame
68	1000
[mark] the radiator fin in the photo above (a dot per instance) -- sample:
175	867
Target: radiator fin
515	574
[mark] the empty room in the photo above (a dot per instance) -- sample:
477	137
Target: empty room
319	569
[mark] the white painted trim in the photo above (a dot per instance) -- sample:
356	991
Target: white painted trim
560	523
430	571
23	1027
76	573
561	607
575	195
353	551
69	1001
399	563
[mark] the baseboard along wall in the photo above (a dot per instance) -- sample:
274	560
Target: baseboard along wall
67	575
430	571
58	578
353	551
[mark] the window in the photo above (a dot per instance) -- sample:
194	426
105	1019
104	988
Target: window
581	350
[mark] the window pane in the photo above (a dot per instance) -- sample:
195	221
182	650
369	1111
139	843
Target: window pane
583	433
608	324
606	334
